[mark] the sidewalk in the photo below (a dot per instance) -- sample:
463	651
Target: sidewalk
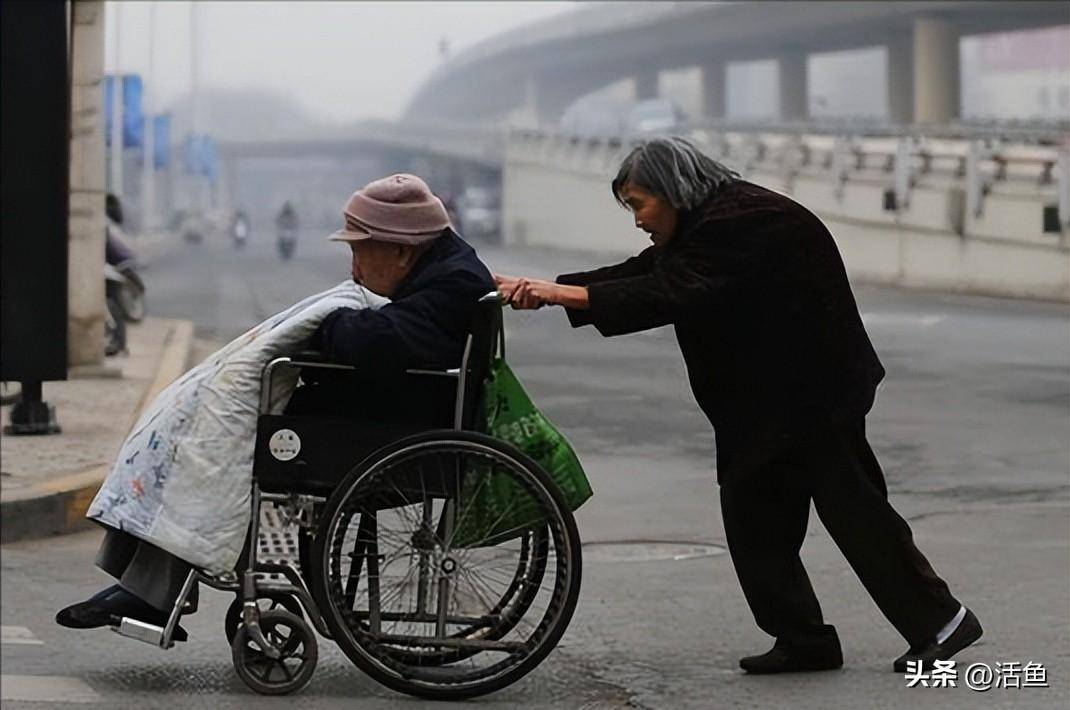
47	482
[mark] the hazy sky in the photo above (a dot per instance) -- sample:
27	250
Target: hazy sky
340	60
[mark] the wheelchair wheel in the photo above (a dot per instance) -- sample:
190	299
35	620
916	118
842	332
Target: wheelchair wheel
428	592
276	676
269	602
503	616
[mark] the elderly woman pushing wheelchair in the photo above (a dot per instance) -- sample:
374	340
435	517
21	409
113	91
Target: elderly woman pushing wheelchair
780	363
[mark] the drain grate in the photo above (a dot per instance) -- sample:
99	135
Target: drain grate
649	551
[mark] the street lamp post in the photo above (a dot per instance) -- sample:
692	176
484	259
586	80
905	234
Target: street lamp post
148	165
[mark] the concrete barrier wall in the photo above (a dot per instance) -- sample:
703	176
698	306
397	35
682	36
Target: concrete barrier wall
556	197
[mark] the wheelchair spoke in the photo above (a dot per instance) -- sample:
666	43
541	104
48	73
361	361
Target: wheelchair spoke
466	576
281	664
491	527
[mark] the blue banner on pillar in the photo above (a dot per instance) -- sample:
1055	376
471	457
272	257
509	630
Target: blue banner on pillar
200	157
133	121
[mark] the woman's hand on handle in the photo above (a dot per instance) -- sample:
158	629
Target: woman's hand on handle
523	293
530	294
506	285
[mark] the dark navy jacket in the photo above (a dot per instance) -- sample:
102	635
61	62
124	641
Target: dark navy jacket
424	326
757	292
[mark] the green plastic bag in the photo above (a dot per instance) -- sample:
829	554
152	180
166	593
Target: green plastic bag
493	506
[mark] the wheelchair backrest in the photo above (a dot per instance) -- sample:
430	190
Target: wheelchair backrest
485	339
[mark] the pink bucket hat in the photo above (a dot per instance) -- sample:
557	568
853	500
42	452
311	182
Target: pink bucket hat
400	208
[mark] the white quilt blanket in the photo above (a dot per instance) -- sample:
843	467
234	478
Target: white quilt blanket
183	477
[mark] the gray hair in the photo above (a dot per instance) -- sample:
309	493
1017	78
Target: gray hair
675	170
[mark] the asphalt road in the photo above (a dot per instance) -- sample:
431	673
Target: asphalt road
972	426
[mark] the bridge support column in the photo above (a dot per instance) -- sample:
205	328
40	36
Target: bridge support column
646	85
547	96
793	86
899	72
544	101
714	88
936	71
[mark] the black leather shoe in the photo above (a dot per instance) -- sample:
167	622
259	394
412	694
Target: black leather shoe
90	614
108	607
969	630
791	658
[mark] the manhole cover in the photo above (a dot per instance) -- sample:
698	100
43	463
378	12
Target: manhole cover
648	551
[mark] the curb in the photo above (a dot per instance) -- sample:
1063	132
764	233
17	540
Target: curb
58	506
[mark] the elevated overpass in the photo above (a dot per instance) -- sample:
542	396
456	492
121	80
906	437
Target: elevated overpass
537	70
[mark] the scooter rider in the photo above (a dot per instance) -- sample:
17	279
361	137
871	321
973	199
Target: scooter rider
286	223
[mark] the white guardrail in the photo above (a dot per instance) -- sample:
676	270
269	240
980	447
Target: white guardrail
963	209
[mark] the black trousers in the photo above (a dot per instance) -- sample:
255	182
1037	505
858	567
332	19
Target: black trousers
144	570
765	518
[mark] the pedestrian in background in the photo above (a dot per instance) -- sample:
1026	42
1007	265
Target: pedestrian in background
780	363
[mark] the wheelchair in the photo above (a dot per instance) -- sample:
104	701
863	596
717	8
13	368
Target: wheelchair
392	564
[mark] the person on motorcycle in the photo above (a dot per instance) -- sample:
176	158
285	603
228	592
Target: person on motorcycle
240	228
287	218
286	224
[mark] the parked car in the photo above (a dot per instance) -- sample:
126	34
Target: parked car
479	213
604	118
590	118
655	116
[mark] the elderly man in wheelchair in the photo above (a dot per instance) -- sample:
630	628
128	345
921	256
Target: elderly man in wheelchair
367	520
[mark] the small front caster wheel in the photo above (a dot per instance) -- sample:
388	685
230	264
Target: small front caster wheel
269	602
292	670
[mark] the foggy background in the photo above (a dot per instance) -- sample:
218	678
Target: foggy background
273	68
235	72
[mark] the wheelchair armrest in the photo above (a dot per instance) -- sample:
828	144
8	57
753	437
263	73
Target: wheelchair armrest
452	372
316	359
306	358
310	356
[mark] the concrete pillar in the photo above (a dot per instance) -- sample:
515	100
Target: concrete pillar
899	72
526	115
714	89
793	88
117	111
85	325
148	152
936	71
548	96
646	85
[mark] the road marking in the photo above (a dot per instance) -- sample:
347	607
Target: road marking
891	318
46	688
18	635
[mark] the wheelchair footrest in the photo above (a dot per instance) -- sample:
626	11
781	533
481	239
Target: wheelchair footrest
142	631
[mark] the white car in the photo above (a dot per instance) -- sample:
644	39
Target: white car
479	213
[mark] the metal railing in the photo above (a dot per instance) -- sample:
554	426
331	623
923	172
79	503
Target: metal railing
978	158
